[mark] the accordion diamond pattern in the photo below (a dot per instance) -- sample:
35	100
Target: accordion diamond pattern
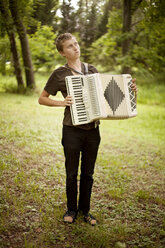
132	98
113	95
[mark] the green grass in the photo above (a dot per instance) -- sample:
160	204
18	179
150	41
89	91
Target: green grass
151	88
128	196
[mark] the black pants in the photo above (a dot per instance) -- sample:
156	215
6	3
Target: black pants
77	141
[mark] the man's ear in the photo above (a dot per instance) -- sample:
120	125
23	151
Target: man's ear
62	53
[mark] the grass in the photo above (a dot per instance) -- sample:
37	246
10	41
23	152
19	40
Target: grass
128	196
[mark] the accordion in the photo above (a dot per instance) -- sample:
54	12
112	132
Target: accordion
100	96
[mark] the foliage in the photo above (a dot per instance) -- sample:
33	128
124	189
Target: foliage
24	8
44	13
5	55
147	36
107	49
87	24
103	19
43	48
68	19
148	50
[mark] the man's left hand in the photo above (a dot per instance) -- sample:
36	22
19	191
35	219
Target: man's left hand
133	86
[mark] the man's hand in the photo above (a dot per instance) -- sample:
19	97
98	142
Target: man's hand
68	101
133	86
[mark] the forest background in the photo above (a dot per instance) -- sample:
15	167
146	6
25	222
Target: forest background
128	197
116	36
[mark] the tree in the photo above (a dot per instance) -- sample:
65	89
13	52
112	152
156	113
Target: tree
129	7
7	21
148	44
87	20
91	25
127	21
15	8
107	49
106	10
44	13
67	22
43	48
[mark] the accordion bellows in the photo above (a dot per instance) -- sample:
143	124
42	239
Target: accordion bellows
101	96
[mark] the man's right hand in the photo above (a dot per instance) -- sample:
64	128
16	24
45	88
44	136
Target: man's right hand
68	101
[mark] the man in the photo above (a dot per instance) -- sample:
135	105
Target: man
81	140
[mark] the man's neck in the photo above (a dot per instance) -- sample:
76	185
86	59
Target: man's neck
75	64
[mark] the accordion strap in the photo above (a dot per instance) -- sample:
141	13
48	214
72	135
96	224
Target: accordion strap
72	69
86	68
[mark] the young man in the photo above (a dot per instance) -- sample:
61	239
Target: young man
80	140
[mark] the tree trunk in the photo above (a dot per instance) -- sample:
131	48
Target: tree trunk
127	19
9	28
30	82
3	64
16	62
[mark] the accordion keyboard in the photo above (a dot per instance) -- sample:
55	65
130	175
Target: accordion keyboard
78	110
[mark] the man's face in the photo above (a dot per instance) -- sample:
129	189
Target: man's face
71	49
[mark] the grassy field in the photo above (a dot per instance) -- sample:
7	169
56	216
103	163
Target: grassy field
129	184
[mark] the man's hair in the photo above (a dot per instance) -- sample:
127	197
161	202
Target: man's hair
60	40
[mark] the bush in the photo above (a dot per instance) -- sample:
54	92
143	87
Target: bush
43	49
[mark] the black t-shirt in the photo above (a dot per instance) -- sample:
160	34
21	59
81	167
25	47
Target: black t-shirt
56	82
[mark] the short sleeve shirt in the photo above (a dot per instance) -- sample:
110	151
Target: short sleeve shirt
56	82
